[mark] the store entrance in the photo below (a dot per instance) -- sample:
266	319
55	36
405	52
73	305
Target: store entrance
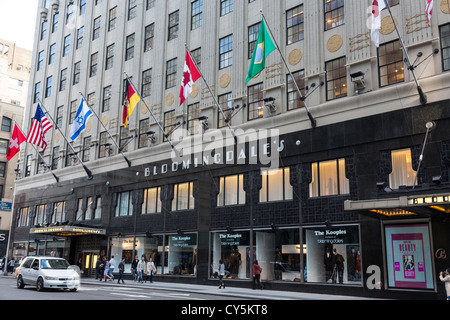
88	263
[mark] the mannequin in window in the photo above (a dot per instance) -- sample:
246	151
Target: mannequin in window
235	262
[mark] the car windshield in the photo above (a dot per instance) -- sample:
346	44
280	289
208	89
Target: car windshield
54	264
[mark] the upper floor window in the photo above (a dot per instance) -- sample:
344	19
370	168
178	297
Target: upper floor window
183	197
334	13
445	44
336	75
294	25
402	173
390	63
124	205
328	179
231	191
276	185
226	6
152	201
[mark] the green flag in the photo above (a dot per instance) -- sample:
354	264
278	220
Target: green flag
264	46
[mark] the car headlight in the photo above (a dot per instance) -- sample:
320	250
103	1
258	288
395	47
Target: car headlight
50	278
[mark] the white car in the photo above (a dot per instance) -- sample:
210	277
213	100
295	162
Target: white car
47	273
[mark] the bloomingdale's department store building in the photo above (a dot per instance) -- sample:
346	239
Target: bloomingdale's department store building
288	194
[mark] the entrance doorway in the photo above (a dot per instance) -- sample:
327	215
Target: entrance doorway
89	261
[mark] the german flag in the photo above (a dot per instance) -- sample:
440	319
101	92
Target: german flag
131	100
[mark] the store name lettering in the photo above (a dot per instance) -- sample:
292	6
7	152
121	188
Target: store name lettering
430	200
264	147
2	237
330	232
330	236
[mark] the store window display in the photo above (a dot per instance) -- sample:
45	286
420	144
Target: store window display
332	255
181	255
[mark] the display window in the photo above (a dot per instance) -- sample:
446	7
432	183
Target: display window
233	248
278	254
332	255
148	247
181	255
408	256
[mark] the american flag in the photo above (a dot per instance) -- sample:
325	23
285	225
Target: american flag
39	128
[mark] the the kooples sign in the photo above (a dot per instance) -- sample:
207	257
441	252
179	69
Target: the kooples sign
254	147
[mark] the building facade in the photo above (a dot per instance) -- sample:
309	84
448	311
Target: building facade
349	199
15	66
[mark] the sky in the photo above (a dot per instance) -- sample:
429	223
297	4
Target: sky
17	21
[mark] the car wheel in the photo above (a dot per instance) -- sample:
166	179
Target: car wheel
40	285
20	283
73	290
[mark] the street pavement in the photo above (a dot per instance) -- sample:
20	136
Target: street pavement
228	291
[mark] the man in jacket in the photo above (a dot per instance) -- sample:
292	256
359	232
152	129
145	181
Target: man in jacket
121	270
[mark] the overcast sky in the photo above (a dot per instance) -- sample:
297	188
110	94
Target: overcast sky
17	21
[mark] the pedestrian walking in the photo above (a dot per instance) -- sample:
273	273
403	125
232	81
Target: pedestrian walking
445	277
98	269
12	263
121	270
134	268
142	269
112	265
221	274
106	272
151	270
257	275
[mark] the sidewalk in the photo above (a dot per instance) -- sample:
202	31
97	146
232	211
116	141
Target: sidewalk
228	291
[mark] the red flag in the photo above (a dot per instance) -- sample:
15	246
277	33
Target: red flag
190	75
17	139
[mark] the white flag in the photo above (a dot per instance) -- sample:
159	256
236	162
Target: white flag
377	7
81	118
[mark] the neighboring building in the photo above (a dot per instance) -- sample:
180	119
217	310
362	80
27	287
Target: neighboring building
289	193
15	66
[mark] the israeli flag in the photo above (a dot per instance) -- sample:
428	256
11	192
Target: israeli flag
81	118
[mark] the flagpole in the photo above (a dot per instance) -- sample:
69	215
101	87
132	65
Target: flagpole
39	154
423	97
153	116
214	97
115	142
88	172
311	118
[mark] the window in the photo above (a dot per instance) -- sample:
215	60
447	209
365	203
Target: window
336	75
37	92
40	63
130	47
147	83
106	98
226	102
255	102
193	115
63	80
149	37
293	98
22	220
112	19
79	213
196	14
144	128
403	173
59	212
44	29
55	158
109	57
276	185
390	63
86	152
226	6
103	146
2	169
4	144
226	52
80	36
334	13
183	198
231	191
328	179
39	215
124	139
253	32
48	87
169	123
59	116
124	205
445	44
66	46
173	25
94	63
76	73
131	9
171	74
294	25
152	202
69	14
96	30
6	124
51	55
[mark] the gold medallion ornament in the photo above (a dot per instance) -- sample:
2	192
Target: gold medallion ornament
195	90
445	6
387	25
295	57
170	99
105	120
334	43
225	80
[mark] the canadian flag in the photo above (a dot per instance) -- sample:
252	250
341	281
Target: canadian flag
429	10
190	76
17	139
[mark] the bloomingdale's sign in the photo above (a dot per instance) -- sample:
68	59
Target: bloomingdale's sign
254	147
